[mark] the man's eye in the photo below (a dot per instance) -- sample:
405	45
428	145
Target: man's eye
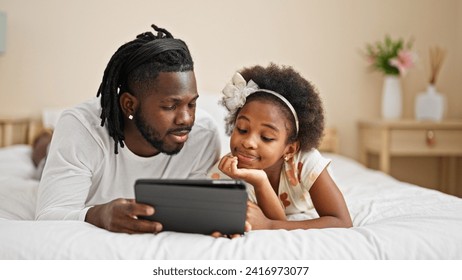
169	108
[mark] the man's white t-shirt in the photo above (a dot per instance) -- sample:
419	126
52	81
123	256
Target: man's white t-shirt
82	169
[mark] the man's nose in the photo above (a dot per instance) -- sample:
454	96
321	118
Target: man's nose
185	117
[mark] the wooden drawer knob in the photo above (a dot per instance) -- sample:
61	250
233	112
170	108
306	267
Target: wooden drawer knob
430	138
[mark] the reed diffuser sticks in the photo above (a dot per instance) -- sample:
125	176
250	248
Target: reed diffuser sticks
437	55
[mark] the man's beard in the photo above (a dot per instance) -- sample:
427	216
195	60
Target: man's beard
153	136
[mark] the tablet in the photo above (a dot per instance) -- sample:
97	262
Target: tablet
195	206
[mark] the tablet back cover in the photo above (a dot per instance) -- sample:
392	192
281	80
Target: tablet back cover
195	206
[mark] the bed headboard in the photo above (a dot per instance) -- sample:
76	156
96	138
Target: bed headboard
18	131
329	142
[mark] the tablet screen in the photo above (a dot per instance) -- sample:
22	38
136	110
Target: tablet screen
195	206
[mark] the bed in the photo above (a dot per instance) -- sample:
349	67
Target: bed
392	220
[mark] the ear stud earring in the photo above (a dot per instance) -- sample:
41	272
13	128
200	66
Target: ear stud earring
130	117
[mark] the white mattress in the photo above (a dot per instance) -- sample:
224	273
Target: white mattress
392	220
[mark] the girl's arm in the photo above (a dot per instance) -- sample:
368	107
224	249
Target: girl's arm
267	199
327	200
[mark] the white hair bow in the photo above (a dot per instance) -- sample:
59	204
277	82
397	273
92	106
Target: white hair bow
236	92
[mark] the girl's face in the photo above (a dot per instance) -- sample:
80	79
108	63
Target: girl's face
259	138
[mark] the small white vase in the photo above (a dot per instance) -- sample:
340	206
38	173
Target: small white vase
392	100
430	105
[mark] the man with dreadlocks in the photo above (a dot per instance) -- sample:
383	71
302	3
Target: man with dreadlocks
140	127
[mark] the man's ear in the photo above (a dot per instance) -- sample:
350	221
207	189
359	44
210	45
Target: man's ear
128	103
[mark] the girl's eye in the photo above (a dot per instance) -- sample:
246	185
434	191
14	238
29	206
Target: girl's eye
241	131
267	139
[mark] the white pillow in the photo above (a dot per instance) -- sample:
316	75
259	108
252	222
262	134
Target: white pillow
18	189
16	161
50	117
18	198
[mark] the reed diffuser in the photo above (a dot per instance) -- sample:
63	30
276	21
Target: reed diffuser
437	55
430	105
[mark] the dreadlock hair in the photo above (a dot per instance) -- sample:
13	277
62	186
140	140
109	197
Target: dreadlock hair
301	94
133	68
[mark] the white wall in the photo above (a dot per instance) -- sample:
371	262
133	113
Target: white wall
57	50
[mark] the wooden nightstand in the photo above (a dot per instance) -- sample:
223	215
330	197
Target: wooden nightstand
413	138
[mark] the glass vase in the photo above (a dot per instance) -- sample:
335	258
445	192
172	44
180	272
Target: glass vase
430	105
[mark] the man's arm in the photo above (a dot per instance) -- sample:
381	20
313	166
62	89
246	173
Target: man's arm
121	215
66	178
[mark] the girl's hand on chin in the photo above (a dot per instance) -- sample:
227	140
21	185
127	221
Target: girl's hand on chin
228	165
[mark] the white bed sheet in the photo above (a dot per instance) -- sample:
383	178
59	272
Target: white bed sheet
392	220
17	188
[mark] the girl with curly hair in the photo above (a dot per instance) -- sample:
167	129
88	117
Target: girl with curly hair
276	122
